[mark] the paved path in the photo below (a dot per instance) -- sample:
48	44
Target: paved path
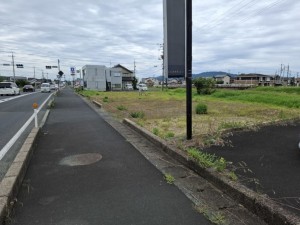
273	155
83	172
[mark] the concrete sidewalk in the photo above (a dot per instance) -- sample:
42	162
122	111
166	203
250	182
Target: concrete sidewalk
83	172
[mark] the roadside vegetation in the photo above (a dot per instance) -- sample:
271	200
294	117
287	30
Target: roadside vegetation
163	112
215	114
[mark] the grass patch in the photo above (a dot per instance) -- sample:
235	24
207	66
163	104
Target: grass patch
169	178
289	99
105	99
166	110
201	108
121	107
137	115
214	217
155	131
207	160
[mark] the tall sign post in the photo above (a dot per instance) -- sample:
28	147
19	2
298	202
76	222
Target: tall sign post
188	68
72	72
178	48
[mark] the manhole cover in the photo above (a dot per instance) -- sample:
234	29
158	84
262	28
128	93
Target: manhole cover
81	159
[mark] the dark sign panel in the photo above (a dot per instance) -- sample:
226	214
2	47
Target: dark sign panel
174	38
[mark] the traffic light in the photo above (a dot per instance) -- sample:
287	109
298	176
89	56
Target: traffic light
60	73
48	67
19	65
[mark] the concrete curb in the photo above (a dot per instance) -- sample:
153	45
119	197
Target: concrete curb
97	104
260	205
12	181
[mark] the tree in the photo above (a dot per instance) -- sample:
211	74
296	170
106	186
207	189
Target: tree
205	86
134	83
21	83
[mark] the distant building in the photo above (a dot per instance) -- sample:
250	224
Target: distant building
223	79
150	81
255	79
126	74
99	77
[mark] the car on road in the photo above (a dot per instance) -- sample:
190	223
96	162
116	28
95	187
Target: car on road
45	87
28	88
9	88
52	87
142	87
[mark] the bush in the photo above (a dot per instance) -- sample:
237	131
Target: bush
204	86
201	108
105	99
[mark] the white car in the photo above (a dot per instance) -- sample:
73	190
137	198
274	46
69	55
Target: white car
9	88
128	87
142	87
45	87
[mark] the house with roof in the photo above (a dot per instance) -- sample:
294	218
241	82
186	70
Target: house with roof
255	79
127	75
150	81
222	79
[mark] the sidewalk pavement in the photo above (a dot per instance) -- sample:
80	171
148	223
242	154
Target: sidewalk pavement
83	172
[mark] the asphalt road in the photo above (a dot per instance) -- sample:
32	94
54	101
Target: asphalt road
14	112
84	172
272	154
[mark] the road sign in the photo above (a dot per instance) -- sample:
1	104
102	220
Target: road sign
6	64
19	65
48	67
72	70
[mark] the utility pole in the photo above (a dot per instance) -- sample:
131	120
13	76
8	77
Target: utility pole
58	66
163	72
134	68
34	77
13	64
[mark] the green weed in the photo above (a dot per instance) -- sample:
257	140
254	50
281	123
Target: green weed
155	131
169	178
207	160
201	108
121	107
137	115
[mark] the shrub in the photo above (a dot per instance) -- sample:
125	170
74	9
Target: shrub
121	107
155	131
201	108
204	86
170	135
105	99
137	114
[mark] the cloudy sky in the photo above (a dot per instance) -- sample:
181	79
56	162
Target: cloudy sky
236	36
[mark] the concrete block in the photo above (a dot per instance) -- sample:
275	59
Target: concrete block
3	209
21	157
7	186
15	169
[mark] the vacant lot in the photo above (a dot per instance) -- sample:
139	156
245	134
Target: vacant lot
163	112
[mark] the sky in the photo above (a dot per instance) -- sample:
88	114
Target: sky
234	36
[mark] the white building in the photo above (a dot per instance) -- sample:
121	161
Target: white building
94	77
98	77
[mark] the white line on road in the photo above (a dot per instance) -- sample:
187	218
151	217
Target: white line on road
6	148
11	98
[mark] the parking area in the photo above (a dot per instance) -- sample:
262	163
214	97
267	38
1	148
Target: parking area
268	161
